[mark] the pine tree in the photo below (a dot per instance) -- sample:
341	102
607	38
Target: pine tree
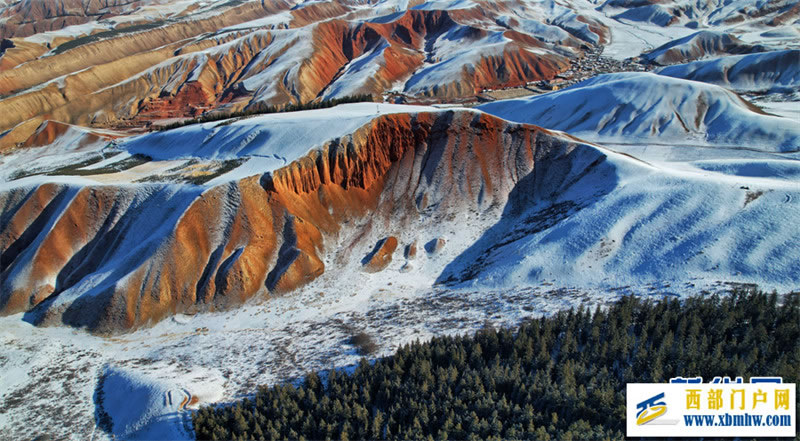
547	380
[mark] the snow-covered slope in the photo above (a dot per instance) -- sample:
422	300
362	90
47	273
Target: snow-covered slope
282	137
145	251
631	223
767	72
53	145
243	252
650	108
655	14
322	190
133	406
694	14
703	44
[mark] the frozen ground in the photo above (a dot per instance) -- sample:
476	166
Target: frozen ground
142	380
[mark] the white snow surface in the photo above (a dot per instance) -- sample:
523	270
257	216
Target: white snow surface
281	19
456	58
279	62
144	407
448	5
631	223
222	356
73	31
765	72
635	107
536	28
358	72
787	109
278	138
700	45
655	14
73	146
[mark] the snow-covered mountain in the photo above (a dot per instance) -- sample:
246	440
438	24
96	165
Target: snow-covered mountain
468	202
767	72
704	44
631	222
537	154
122	64
288	197
147	250
648	108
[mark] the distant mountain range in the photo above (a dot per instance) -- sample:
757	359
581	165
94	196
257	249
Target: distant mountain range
124	65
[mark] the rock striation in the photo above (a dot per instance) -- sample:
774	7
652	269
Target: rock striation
198	63
112	258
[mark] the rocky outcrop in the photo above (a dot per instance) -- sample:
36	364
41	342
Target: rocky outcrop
410	251
435	245
381	255
113	258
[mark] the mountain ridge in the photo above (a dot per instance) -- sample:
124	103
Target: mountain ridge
273	231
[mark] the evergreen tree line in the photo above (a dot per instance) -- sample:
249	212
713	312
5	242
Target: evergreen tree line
560	377
261	108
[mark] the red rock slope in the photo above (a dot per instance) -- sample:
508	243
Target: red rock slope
231	59
112	258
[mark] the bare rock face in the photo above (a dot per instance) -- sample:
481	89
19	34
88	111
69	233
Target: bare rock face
381	256
410	252
113	258
435	245
297	262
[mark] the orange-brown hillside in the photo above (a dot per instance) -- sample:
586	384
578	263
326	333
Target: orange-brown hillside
201	62
112	258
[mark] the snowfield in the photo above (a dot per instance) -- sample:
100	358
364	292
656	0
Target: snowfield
146	375
279	137
767	72
634	107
